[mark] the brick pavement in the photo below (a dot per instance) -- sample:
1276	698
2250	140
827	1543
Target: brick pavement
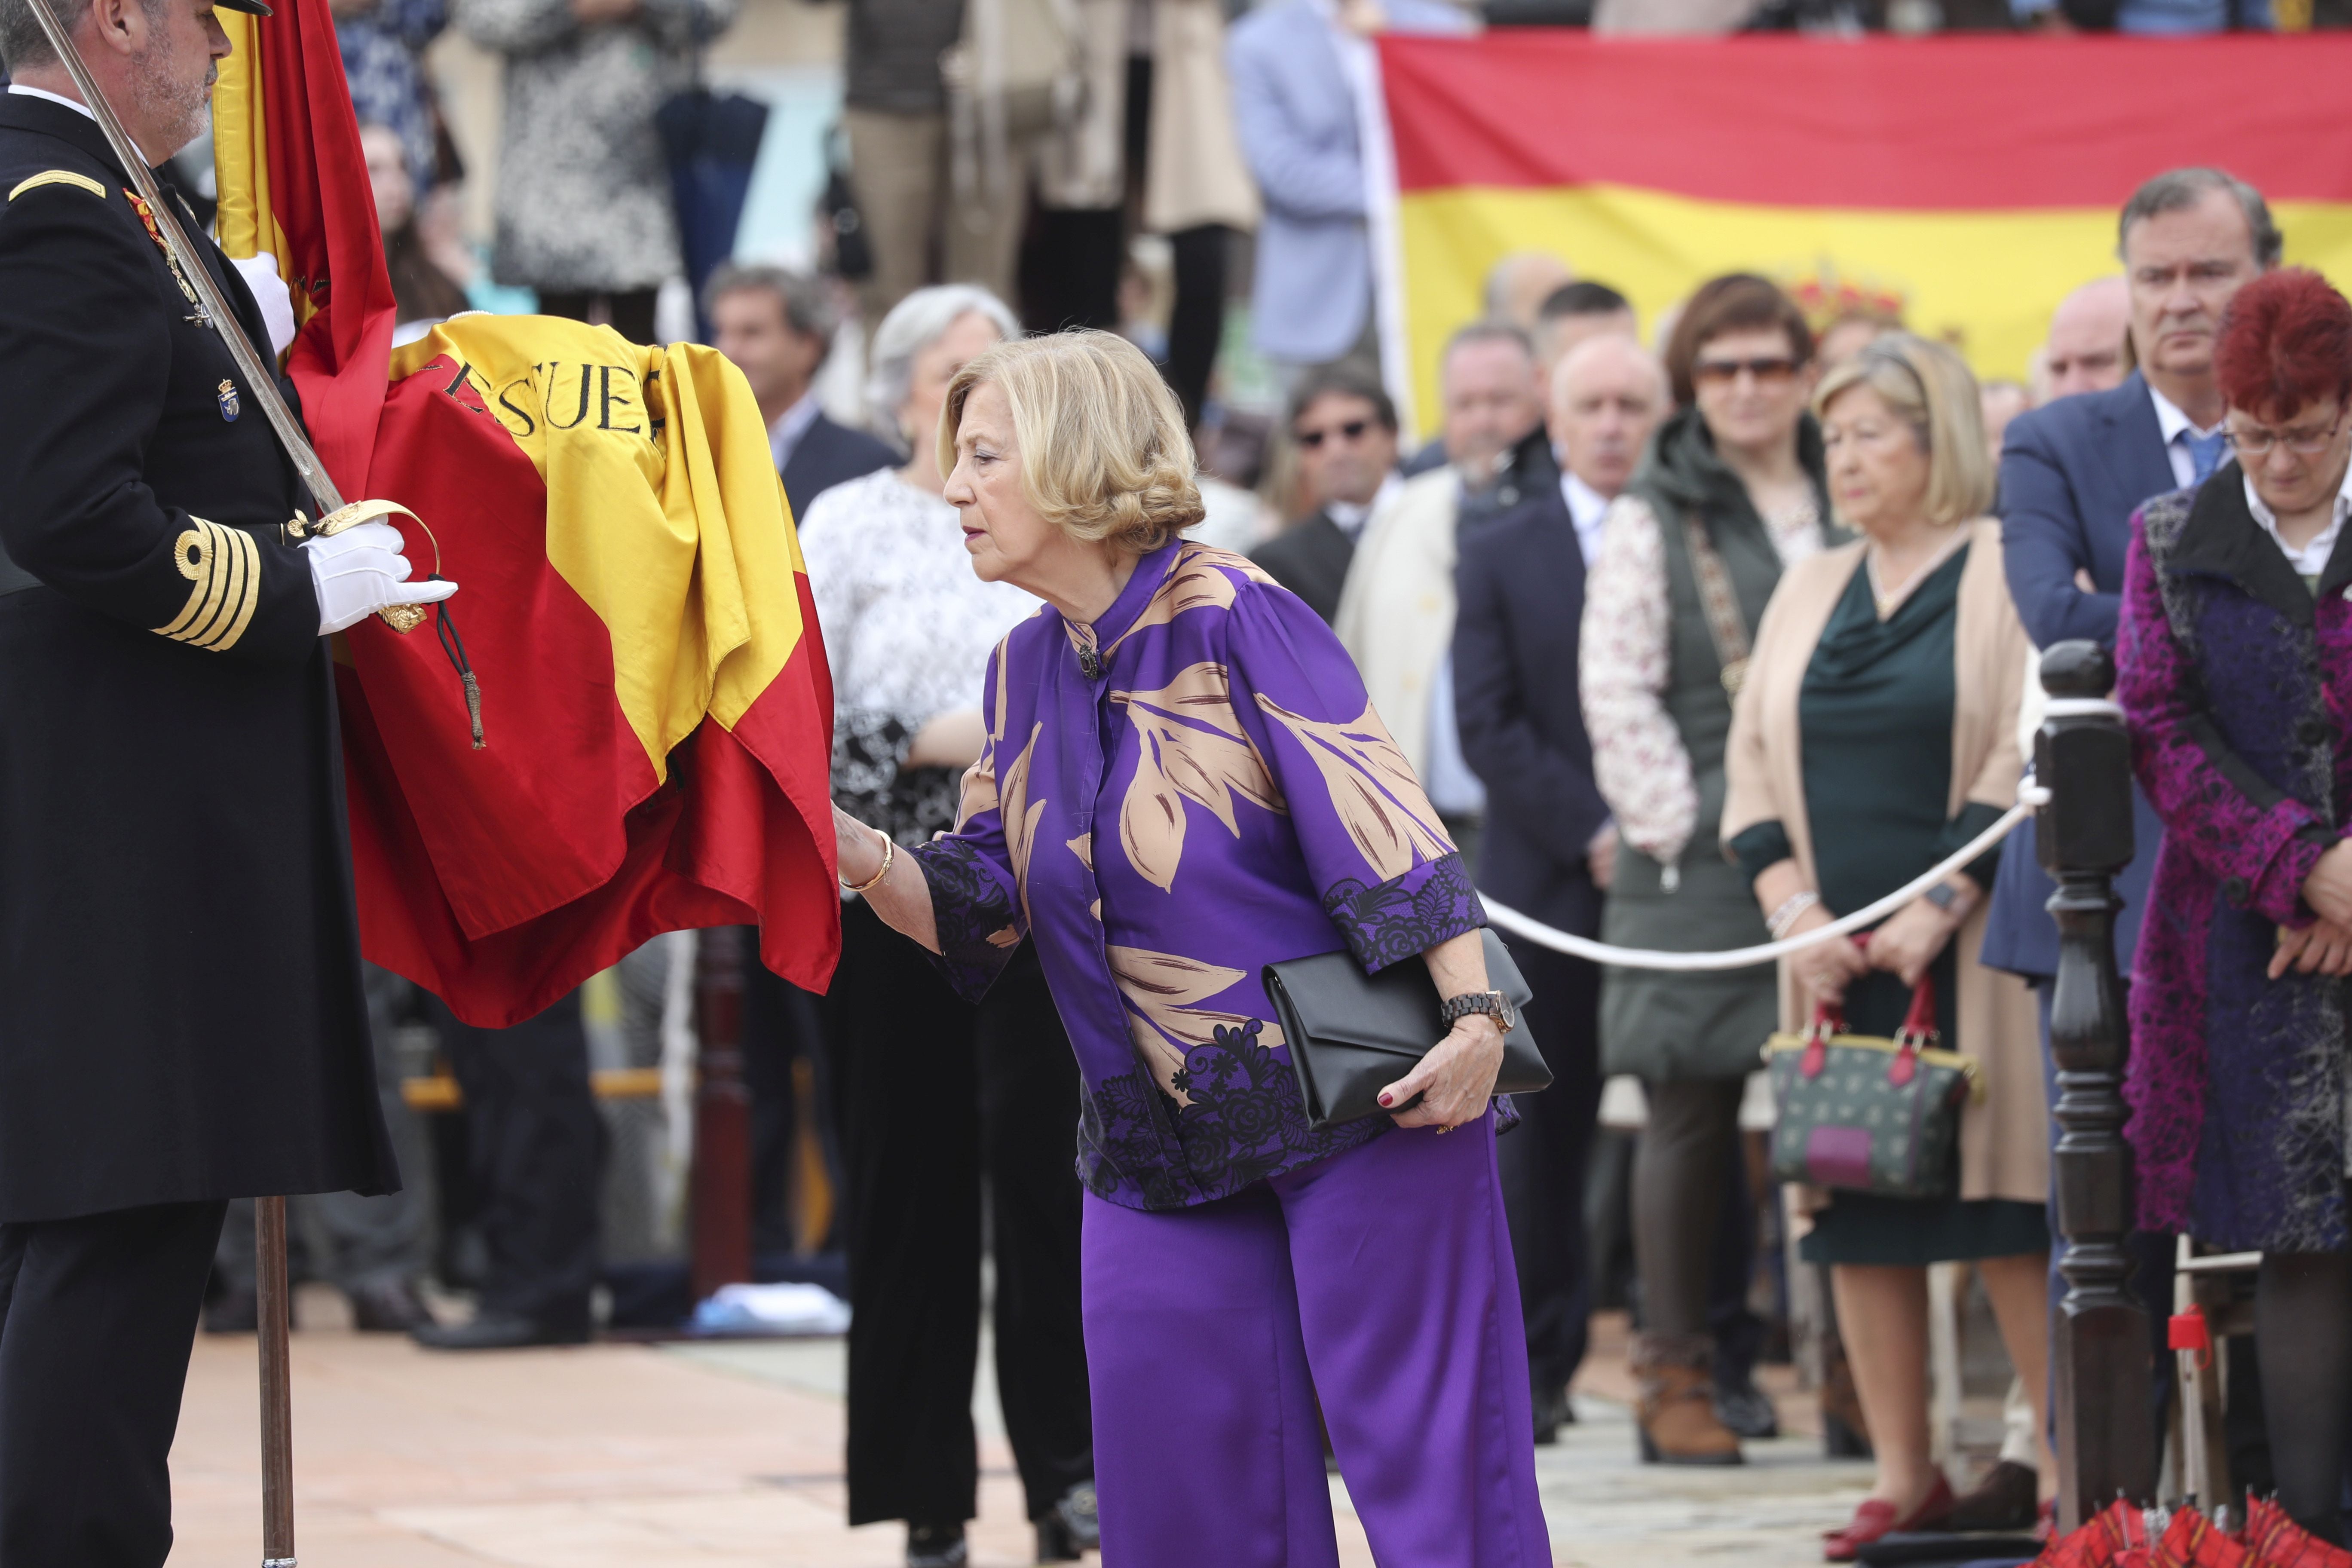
699	1457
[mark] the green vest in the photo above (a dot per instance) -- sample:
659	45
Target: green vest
1655	1024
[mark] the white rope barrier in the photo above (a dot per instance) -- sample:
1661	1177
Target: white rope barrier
2029	797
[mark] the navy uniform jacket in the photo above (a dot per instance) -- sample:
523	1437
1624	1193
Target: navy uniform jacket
181	1014
2071	474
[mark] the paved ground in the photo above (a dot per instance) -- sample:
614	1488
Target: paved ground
699	1457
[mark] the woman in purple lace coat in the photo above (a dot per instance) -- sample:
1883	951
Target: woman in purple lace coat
1183	783
2235	649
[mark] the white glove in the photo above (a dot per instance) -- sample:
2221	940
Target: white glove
269	292
360	571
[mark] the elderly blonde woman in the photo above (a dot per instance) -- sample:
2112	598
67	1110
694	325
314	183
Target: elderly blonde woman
1882	697
932	1091
1183	782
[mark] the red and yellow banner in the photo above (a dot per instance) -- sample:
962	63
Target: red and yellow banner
293	182
1973	181
655	701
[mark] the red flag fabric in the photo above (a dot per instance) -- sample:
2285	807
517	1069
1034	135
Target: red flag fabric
293	182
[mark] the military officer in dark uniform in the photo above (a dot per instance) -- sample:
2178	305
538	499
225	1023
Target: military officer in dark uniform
181	1014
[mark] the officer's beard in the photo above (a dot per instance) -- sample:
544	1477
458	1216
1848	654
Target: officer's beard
174	110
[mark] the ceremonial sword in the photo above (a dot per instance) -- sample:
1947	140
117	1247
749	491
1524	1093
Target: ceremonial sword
260	374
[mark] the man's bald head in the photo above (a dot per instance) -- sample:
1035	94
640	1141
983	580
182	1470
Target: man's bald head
2087	332
1608	394
1517	285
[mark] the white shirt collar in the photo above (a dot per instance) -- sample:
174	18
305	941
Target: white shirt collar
785	434
1351	516
2312	559
1588	509
77	105
2170	420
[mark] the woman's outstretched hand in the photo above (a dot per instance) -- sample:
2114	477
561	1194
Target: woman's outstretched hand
1456	1079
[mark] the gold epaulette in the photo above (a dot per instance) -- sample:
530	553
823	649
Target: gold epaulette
59	177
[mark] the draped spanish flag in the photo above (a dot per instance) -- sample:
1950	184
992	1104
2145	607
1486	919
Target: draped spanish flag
655	701
1971	181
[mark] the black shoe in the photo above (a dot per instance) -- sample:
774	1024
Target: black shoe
1746	1410
936	1546
388	1307
500	1331
1841	1439
2004	1500
1072	1528
235	1312
1553	1412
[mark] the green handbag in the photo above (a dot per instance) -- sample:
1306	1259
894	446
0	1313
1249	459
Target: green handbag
1866	1114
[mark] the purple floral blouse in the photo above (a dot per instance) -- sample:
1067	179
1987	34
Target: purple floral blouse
1220	797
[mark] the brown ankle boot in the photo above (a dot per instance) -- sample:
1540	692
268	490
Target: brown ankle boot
1676	1411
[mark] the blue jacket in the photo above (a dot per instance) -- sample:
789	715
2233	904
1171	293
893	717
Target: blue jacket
2072	475
1296	116
1519	590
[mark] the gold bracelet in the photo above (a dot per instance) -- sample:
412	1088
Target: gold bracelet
890	853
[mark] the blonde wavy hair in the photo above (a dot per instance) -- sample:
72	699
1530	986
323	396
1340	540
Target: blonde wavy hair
1105	455
1928	387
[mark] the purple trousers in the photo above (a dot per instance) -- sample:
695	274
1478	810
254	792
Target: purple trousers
1381	1279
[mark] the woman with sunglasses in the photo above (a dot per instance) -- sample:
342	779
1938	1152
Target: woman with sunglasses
1730	493
2235	652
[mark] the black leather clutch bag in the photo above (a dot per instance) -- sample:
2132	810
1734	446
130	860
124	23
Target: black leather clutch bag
1351	1034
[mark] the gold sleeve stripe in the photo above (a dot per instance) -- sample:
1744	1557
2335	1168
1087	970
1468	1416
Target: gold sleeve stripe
225	564
59	177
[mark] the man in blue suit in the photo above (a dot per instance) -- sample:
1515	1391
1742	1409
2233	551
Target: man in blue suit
1300	70
2072	475
1548	843
777	326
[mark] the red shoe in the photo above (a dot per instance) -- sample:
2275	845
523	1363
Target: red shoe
1875	1518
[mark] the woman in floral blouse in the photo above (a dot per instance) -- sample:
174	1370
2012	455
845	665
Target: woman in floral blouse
1183	783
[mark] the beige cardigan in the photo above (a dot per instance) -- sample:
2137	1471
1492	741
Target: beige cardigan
2005	1140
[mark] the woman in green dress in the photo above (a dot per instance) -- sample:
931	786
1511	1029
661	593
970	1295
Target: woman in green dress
1877	734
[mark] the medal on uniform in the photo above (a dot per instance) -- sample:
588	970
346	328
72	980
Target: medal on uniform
147	217
228	401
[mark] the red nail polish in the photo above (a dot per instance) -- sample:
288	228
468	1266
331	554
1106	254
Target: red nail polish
1388	1100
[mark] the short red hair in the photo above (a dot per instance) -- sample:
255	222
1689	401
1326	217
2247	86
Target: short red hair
2287	343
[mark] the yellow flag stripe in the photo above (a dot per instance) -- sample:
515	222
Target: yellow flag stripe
246	224
1986	281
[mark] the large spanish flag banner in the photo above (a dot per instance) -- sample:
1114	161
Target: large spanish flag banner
657	712
1970	181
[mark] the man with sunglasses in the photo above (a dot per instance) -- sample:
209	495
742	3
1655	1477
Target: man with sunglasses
1344	429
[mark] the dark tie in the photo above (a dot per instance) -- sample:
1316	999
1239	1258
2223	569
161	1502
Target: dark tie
2204	452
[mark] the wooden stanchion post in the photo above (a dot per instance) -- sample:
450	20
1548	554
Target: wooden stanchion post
722	1117
2101	1360
276	1318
